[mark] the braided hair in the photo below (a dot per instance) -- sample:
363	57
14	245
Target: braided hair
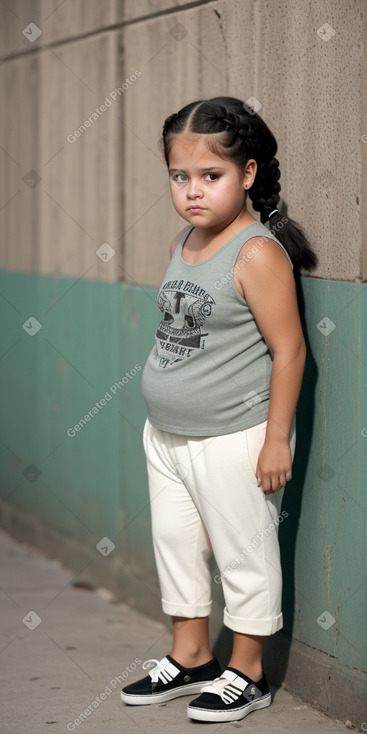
236	133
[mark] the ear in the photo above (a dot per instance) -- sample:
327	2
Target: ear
249	173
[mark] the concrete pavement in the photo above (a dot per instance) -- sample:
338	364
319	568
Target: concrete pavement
67	651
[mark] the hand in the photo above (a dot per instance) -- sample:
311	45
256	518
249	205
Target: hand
274	466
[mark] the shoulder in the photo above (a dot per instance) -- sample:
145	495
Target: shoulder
262	265
263	250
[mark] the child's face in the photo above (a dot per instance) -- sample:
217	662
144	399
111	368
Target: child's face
203	197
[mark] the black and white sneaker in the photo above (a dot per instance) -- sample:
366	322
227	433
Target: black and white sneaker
168	679
230	698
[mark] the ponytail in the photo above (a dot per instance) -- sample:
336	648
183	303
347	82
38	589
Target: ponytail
264	195
291	235
237	134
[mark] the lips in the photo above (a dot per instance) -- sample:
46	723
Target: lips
196	208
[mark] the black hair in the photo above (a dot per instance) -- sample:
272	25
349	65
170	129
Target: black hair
235	132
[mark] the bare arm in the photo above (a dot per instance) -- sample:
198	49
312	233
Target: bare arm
270	292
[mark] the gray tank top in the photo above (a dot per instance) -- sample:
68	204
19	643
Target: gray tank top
209	370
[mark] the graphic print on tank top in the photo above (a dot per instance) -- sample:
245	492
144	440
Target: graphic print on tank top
185	307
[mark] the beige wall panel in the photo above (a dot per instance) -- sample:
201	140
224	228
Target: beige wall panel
70	19
175	72
56	226
19	202
58	21
363	143
134	9
309	89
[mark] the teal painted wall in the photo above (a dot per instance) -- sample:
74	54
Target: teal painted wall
324	547
94	484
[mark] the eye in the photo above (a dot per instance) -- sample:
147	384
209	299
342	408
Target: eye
214	176
178	177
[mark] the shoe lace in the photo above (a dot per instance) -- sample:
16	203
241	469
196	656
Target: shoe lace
158	666
217	686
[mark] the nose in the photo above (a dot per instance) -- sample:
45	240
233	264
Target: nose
194	190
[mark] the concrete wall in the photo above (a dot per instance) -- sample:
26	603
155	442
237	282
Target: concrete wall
65	192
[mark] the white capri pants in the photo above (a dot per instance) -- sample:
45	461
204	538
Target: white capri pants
205	499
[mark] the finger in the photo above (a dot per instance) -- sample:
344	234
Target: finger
273	483
278	482
271	488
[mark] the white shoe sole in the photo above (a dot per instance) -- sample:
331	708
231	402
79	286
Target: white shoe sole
232	715
142	700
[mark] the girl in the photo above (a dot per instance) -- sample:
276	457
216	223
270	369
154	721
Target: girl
221	386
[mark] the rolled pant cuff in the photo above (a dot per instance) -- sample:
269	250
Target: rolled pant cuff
186	610
266	626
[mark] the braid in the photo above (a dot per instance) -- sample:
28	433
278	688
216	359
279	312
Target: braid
229	121
233	133
238	128
264	192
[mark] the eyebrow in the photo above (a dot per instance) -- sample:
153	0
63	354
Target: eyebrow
212	168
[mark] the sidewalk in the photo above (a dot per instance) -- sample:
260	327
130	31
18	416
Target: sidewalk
65	650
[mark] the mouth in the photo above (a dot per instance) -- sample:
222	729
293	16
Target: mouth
195	209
